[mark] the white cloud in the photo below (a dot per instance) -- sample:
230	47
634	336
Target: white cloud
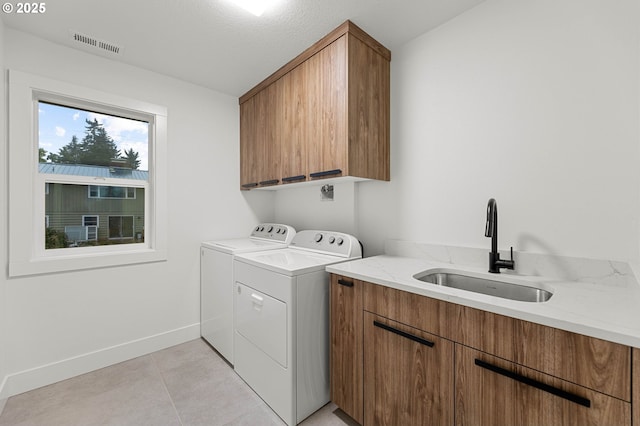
126	134
141	148
116	126
60	131
76	116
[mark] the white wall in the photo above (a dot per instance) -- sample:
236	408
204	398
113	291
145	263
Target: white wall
534	103
304	208
64	324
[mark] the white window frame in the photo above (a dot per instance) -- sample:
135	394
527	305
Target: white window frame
85	216
27	254
91	228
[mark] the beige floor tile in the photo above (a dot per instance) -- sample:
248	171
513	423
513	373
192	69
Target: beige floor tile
261	415
329	415
185	385
127	393
209	395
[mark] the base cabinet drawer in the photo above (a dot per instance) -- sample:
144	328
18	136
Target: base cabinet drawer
408	375
492	391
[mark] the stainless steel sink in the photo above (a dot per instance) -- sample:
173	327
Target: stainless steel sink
505	288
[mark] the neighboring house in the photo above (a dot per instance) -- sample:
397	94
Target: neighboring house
95	214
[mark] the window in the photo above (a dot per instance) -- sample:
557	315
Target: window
91	223
120	227
111	192
89	154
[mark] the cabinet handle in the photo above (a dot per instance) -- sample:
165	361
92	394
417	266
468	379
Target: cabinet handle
292	178
345	283
536	384
404	334
250	185
326	173
269	182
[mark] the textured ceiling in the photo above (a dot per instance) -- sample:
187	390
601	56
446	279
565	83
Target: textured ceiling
216	44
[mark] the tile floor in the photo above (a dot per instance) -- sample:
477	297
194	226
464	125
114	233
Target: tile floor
188	384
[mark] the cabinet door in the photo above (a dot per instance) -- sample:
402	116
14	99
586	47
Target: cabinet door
346	345
327	115
408	375
294	125
268	128
492	391
249	146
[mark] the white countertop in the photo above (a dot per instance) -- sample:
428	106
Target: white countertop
609	312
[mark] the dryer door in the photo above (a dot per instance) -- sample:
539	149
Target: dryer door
262	320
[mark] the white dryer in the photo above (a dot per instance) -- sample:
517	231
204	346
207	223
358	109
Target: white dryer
216	280
281	343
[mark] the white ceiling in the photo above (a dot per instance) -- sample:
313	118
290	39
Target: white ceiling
216	44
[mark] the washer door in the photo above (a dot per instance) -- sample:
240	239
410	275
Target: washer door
262	320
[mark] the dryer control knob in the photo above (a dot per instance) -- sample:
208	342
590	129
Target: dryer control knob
270	229
340	241
318	238
332	240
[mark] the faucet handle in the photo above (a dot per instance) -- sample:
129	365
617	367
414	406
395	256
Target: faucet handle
510	264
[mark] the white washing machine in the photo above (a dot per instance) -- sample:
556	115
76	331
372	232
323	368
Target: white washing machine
216	280
281	343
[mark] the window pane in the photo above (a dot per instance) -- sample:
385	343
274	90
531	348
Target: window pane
78	142
90	220
111	192
77	220
121	227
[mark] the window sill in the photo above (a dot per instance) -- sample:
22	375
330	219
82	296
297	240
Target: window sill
77	262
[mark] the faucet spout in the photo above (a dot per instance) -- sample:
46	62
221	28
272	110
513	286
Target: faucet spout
491	231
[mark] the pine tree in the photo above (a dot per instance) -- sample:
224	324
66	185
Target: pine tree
71	153
97	147
132	158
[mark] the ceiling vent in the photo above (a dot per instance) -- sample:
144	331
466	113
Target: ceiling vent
95	45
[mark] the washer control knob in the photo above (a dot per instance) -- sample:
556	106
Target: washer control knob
257	229
332	240
270	229
340	241
284	231
318	238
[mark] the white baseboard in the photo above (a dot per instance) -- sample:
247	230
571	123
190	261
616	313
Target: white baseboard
27	380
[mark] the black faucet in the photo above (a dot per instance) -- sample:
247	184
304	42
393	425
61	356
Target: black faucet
491	230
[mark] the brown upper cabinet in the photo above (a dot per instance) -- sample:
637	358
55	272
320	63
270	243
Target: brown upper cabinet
324	114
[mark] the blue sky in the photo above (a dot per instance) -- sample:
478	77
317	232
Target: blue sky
57	125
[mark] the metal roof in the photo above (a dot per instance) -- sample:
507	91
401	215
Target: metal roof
94	171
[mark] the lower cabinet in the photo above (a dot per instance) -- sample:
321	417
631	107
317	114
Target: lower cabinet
345	352
408	375
492	391
404	359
